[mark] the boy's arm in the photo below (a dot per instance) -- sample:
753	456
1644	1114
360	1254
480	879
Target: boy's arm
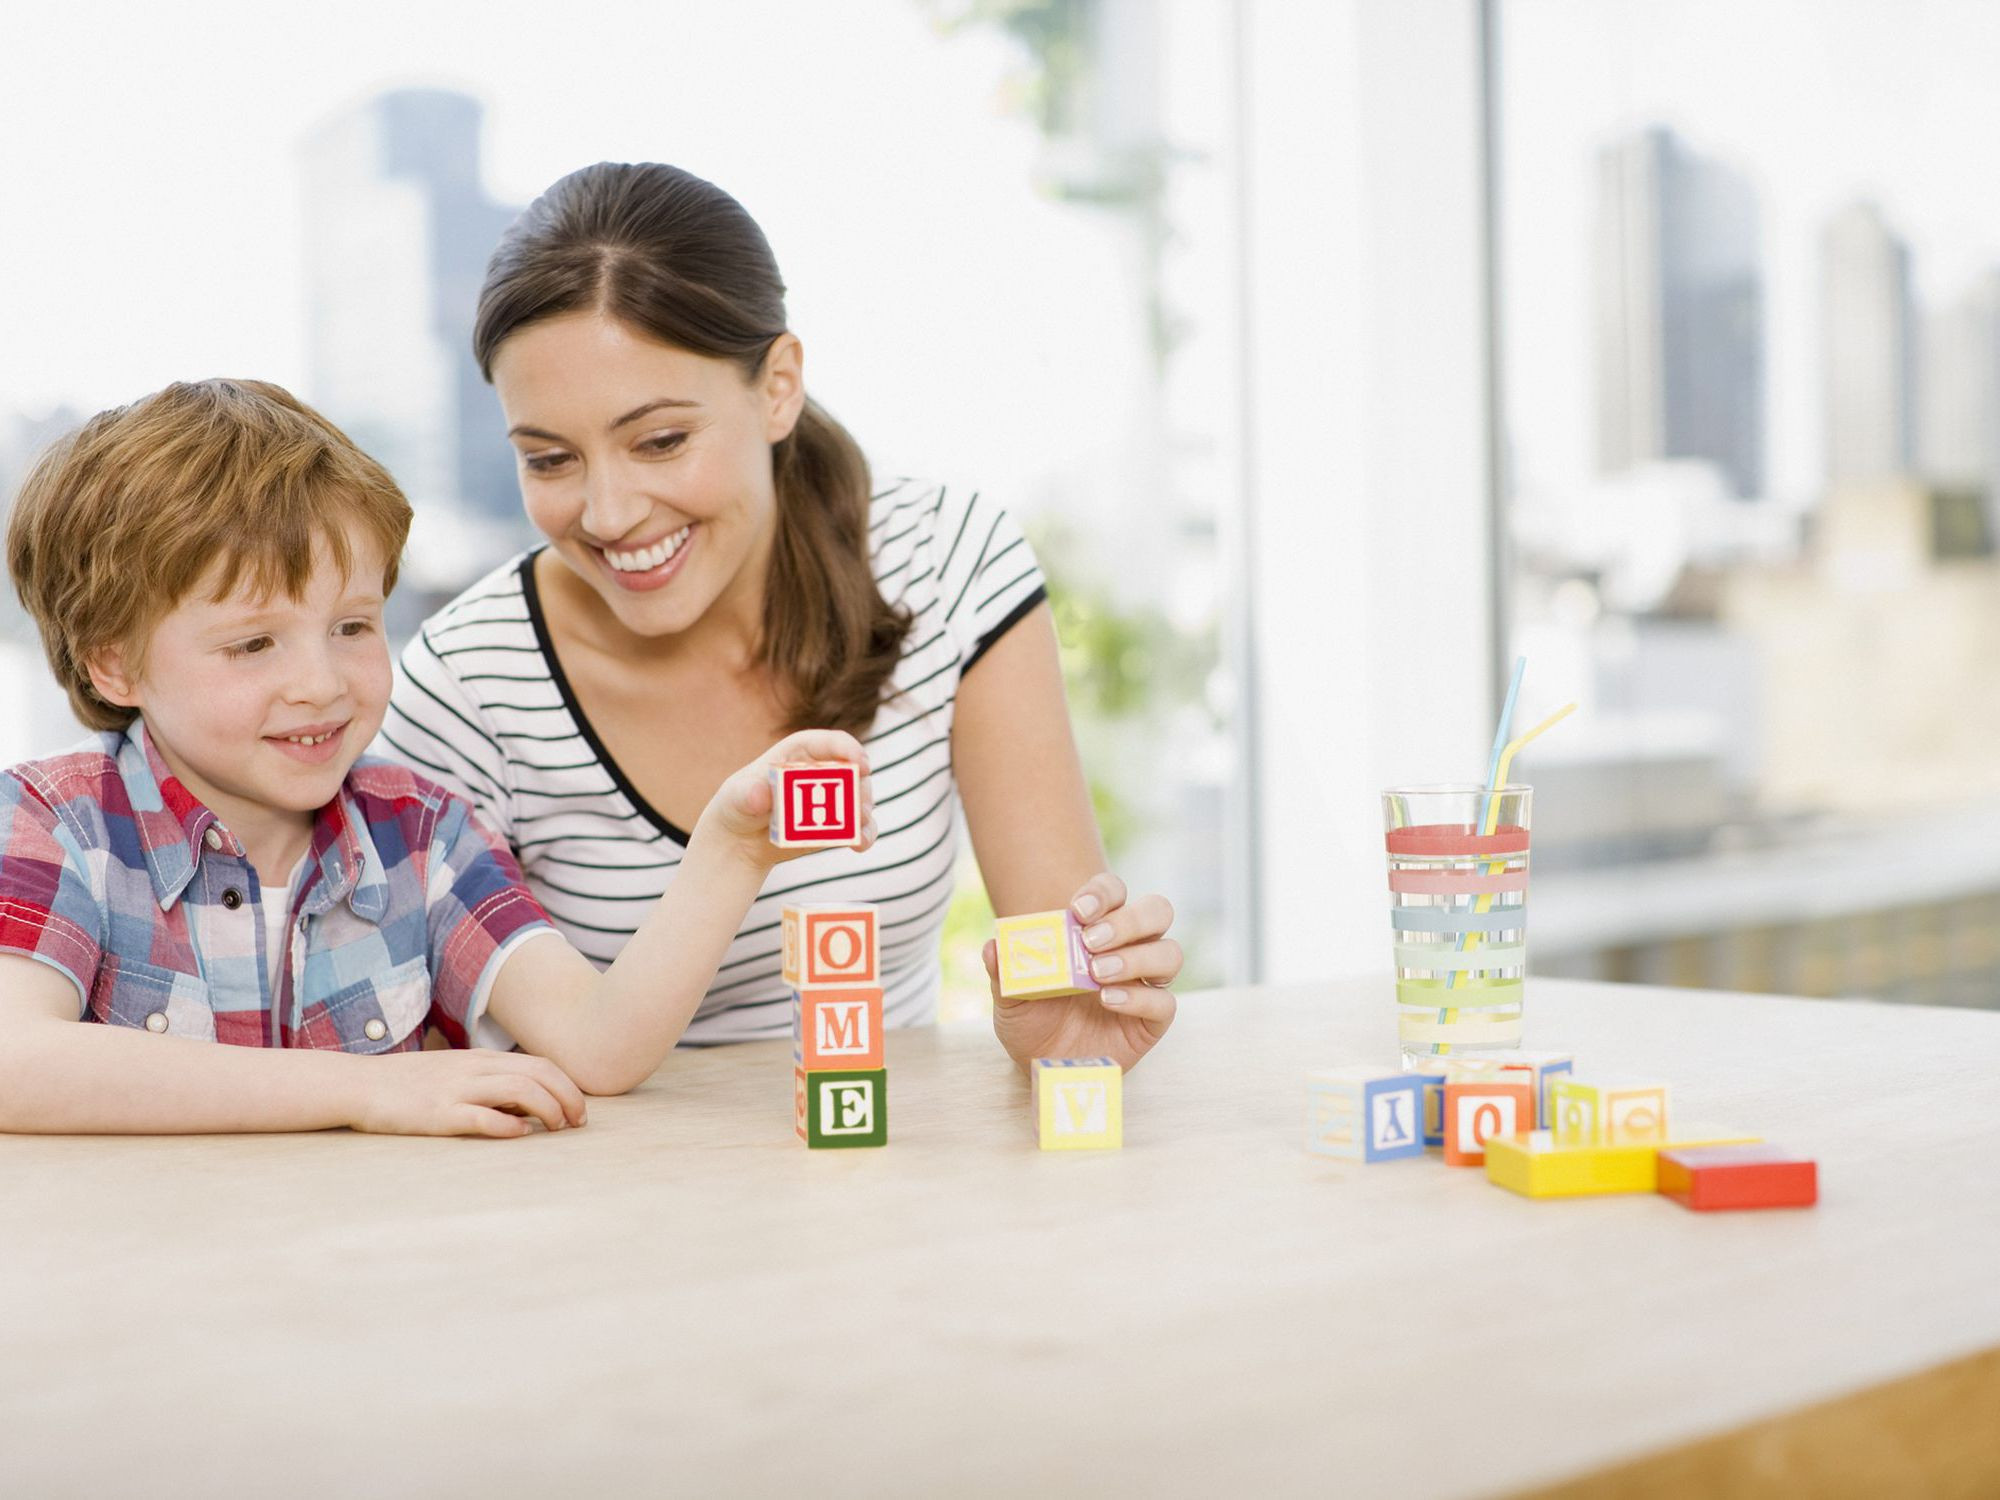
60	1076
610	1031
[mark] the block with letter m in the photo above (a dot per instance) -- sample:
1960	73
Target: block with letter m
838	1028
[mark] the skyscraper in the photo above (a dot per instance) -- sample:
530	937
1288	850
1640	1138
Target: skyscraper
1958	438
1868	349
398	231
1679	311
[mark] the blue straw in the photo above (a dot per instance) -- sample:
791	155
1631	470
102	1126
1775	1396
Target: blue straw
1492	771
1500	741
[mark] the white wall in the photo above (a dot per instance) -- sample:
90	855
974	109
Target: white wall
1367	547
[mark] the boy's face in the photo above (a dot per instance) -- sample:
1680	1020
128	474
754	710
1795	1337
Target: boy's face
232	690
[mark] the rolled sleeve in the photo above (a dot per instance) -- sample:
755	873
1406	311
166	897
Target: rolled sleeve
479	911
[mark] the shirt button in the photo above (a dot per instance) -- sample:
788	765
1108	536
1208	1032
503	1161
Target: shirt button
157	1021
376	1029
232	898
213	838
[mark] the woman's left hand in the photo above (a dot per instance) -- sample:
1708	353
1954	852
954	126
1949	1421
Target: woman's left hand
1131	956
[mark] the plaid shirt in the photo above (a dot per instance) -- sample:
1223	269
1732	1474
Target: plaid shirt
113	873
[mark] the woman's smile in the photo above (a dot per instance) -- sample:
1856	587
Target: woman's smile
653	566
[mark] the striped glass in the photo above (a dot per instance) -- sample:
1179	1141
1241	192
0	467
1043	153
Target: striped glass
1458	907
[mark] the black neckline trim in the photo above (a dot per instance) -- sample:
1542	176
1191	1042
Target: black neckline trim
532	594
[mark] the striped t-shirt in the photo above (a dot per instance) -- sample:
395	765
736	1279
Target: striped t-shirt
481	704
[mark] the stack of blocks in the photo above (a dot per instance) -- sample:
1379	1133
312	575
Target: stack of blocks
832	966
1544	1133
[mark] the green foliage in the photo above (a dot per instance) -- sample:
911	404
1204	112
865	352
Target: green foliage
1054	35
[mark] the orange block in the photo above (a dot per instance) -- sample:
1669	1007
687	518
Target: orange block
1475	1112
830	944
838	1028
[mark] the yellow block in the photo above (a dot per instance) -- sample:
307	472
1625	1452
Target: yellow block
1079	1103
1041	956
1535	1166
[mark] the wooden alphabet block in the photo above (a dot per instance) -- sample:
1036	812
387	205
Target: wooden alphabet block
1535	1165
816	806
1722	1177
1364	1114
1607	1113
842	1107
1042	956
1433	1093
1078	1103
1475	1113
830	944
1538	1069
837	1028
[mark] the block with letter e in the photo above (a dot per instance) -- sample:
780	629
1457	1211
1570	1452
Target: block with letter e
1365	1114
816	806
1041	956
1078	1103
838	1028
830	944
842	1107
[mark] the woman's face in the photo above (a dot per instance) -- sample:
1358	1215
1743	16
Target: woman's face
647	467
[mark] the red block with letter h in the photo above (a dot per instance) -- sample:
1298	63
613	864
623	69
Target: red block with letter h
815	807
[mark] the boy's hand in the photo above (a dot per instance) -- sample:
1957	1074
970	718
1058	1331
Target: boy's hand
741	811
473	1092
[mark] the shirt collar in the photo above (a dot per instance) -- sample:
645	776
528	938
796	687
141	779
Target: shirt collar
175	829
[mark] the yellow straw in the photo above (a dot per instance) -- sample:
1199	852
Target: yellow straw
1485	902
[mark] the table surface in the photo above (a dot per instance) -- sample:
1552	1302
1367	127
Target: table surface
680	1296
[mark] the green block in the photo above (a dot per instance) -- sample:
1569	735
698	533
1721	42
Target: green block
843	1107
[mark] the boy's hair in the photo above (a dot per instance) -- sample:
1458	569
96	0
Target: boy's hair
121	520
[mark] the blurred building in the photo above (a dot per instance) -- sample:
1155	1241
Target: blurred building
1958	437
398	233
1868	348
1679	327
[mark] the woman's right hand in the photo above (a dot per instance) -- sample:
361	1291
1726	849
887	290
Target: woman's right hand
472	1092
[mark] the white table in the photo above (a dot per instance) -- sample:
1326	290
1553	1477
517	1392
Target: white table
679	1298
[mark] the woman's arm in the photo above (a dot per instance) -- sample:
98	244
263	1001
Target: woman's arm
1027	808
60	1076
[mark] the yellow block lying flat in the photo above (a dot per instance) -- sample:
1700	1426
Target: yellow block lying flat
1535	1167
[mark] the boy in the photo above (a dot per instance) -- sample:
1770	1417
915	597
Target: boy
218	864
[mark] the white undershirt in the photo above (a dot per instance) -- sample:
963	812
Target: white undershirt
277	908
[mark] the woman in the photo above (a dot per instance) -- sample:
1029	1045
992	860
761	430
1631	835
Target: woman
717	572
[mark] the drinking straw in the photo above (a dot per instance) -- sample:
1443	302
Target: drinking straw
1488	821
1493	780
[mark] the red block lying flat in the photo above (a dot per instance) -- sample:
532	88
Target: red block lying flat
1761	1176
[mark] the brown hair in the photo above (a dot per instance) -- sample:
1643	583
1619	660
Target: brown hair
666	253
124	518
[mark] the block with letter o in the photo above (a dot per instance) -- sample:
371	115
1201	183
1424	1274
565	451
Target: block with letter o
1474	1113
829	944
